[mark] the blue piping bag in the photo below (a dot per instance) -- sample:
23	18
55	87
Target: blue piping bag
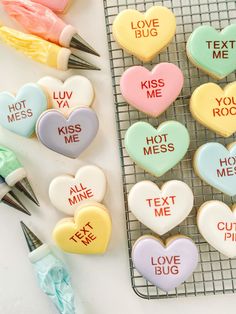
52	275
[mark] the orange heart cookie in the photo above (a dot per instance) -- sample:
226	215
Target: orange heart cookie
144	35
88	233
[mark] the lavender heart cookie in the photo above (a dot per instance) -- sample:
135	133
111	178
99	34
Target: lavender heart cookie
71	136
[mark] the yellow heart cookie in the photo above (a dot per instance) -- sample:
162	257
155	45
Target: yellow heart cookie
144	35
88	233
215	108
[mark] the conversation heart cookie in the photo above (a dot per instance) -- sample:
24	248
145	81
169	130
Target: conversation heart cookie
217	224
216	165
144	35
215	107
165	265
76	91
20	113
213	52
152	92
67	192
88	233
157	150
160	209
71	136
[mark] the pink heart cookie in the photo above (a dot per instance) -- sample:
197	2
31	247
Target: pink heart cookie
165	266
152	92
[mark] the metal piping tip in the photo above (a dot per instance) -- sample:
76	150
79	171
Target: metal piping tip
32	240
79	43
25	187
12	200
17	199
76	62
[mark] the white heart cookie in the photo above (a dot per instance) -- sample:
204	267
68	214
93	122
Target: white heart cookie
161	209
217	224
67	192
76	91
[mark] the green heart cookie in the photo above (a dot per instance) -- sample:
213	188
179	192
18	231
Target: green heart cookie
212	51
157	150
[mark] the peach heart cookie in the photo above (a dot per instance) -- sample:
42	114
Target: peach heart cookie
20	113
213	52
88	233
216	165
160	209
144	35
76	91
67	136
165	265
215	107
217	224
157	150
152	92
67	192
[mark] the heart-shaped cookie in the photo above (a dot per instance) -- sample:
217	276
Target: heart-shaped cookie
212	51
216	165
20	113
67	193
165	266
160	209
144	35
215	108
69	137
88	233
152	92
58	6
76	91
217	224
157	150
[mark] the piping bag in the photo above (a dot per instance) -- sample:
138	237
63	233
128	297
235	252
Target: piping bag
52	275
43	51
41	21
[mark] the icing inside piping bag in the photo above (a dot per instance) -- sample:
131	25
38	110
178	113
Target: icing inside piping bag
8	162
35	18
34	47
54	280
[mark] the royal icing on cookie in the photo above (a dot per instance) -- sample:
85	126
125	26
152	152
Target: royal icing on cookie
67	193
71	136
217	224
20	113
165	266
216	165
157	150
212	51
215	108
144	35
88	233
76	91
152	92
160	209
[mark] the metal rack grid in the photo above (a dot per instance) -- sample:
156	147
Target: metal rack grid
215	273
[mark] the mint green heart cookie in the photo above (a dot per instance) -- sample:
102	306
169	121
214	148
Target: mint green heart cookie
157	150
213	52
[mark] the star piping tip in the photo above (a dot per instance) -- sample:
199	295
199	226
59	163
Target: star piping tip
10	199
32	240
25	187
77	42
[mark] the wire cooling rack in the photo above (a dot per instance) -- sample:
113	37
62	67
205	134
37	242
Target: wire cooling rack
215	273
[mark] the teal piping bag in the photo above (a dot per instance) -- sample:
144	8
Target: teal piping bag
14	173
52	276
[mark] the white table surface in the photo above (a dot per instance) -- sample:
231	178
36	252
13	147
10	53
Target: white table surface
101	283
